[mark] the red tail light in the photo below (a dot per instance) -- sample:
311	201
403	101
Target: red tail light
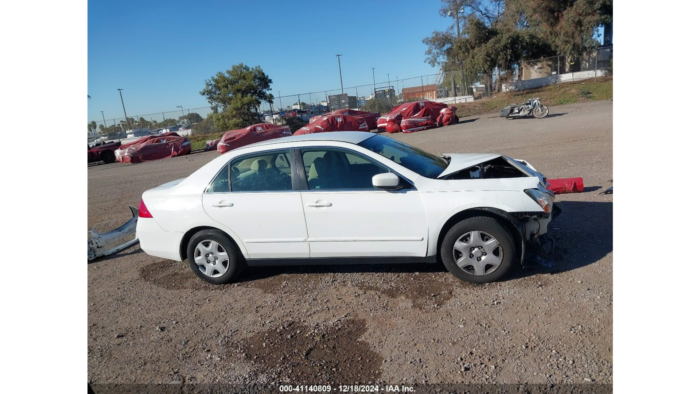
143	211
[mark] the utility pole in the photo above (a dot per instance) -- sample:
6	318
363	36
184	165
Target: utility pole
374	84
341	74
126	118
456	13
388	82
103	119
280	97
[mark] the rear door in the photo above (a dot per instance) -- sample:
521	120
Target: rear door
254	197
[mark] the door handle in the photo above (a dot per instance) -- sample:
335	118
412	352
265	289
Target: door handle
319	204
222	204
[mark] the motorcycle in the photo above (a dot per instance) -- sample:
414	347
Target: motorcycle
532	107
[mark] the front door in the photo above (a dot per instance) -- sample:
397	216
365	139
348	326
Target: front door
347	217
253	196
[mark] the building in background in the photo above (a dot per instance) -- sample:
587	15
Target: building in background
342	101
425	92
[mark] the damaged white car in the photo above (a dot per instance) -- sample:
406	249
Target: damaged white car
347	198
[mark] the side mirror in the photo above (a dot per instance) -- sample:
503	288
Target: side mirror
386	181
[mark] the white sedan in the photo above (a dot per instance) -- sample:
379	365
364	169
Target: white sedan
345	198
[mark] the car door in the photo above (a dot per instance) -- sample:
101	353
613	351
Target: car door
255	198
347	217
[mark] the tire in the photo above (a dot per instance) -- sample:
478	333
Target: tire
499	255
541	115
107	156
214	258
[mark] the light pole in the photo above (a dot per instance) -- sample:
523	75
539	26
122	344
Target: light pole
341	74
103	119
456	13
126	118
388	83
280	96
374	84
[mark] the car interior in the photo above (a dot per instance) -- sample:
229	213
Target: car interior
325	170
330	169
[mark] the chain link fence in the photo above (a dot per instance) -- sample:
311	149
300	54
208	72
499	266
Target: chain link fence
383	93
535	73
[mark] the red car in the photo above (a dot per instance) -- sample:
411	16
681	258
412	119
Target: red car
255	133
328	123
410	117
104	152
369	117
154	147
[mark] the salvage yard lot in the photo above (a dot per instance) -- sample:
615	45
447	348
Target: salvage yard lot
153	321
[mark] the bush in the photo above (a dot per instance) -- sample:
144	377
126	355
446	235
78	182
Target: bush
294	123
374	105
206	126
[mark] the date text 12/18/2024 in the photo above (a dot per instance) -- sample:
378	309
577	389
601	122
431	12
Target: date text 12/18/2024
346	389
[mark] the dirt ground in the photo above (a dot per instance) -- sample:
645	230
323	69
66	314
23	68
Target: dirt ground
152	321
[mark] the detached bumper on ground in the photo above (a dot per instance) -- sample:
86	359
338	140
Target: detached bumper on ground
100	245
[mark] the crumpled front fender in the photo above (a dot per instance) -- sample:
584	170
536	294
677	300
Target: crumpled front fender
114	241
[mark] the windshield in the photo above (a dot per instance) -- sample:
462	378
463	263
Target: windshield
416	160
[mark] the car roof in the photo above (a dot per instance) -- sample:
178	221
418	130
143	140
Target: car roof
352	137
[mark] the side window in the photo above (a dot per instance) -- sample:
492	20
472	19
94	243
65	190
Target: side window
220	183
269	171
329	169
283	164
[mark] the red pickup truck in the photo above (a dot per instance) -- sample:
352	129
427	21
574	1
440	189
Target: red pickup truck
103	152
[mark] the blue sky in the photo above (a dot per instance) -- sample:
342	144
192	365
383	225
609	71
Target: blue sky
161	53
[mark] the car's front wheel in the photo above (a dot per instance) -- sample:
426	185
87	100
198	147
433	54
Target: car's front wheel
213	257
478	250
107	156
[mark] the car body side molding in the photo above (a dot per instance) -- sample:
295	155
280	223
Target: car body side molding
341	261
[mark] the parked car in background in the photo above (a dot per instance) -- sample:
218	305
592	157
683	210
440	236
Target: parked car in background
154	147
369	117
334	122
234	139
103	151
347	197
116	135
410	117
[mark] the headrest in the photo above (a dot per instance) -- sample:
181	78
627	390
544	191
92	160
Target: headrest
319	165
258	165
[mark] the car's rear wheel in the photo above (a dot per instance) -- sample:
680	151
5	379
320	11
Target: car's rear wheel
107	156
214	257
478	250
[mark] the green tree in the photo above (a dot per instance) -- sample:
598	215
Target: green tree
190	118
238	93
294	123
375	105
205	126
568	25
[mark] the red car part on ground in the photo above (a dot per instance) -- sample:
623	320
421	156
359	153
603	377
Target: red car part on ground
233	139
154	147
409	117
448	116
369	117
566	185
334	123
104	152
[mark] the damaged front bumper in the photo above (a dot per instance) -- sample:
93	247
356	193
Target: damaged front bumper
114	241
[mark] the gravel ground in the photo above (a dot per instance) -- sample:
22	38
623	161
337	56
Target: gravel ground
152	321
